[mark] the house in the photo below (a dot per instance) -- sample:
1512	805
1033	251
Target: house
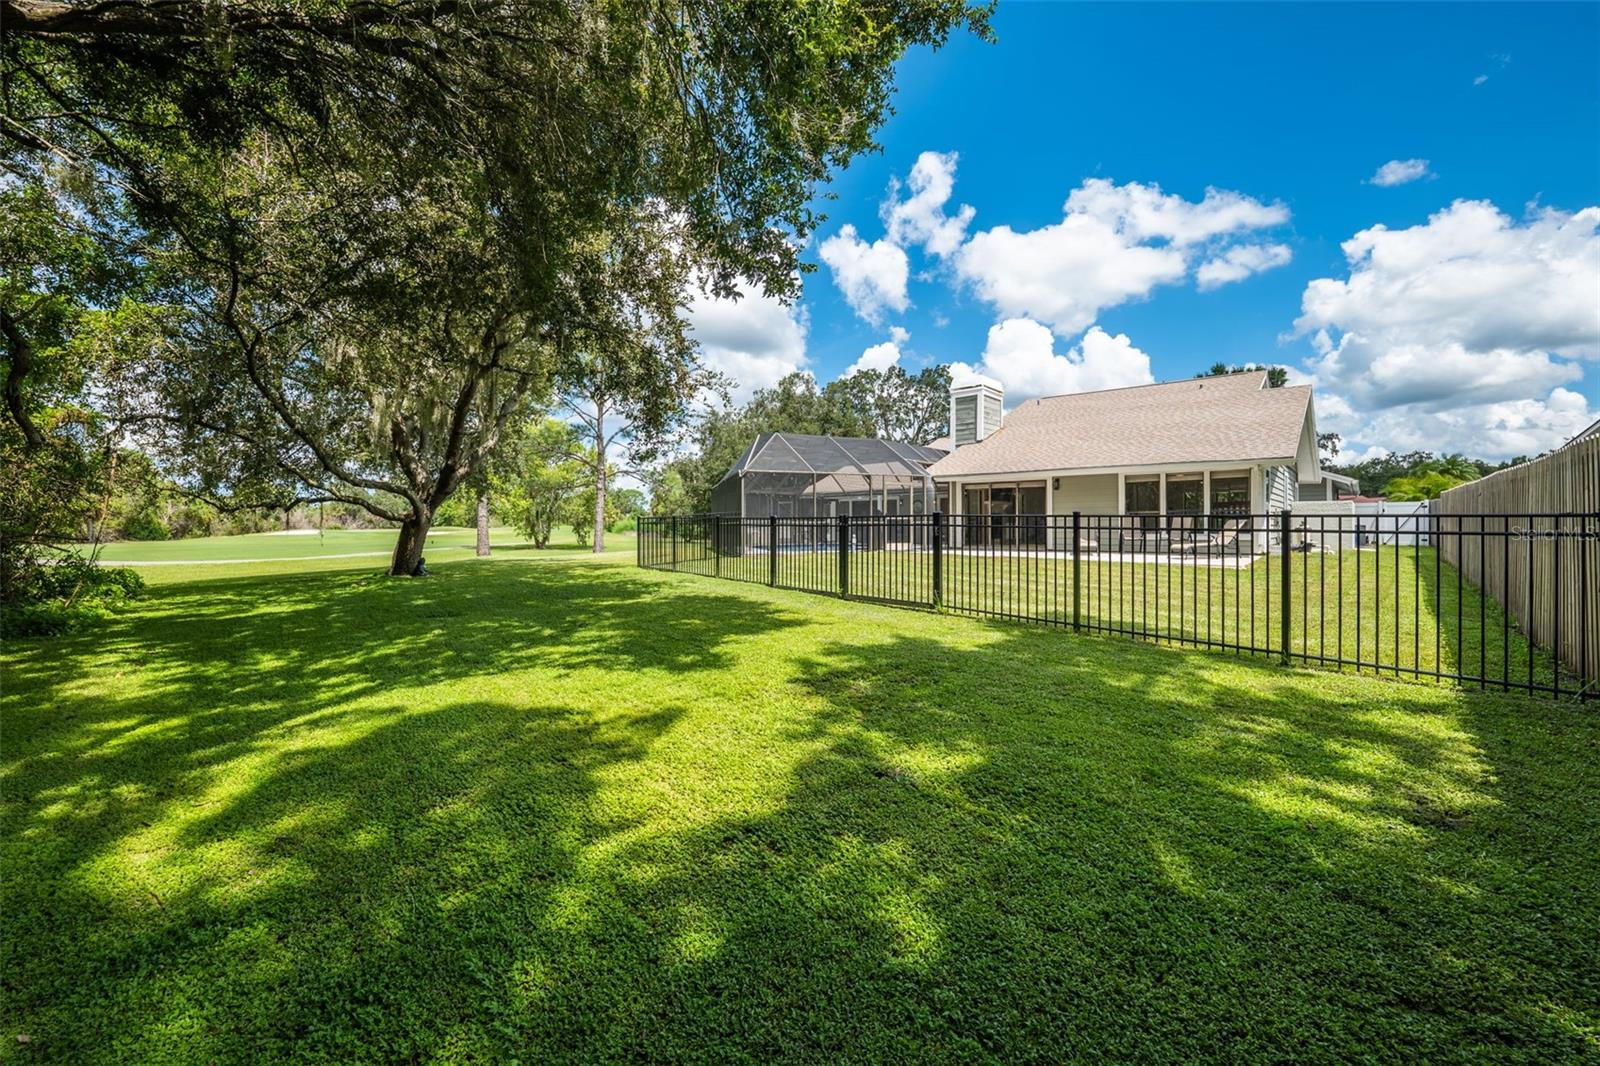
1220	446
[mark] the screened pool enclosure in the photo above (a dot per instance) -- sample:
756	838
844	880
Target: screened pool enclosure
797	475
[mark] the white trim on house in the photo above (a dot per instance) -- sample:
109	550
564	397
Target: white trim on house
1259	475
1151	468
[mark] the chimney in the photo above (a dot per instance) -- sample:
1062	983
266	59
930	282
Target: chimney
977	407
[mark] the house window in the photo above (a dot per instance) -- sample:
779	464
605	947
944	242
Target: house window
1142	497
1230	495
1185	494
966	427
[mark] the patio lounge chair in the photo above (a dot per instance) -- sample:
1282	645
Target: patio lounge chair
1224	536
1131	534
1184	533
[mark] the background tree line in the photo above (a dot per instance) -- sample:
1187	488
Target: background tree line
1416	475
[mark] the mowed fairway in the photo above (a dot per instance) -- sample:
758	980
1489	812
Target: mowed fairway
304	545
578	811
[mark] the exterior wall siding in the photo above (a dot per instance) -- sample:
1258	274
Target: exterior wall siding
1280	483
1089	493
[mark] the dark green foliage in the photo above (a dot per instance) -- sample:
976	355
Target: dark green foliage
66	595
1417	475
630	502
388	227
1277	376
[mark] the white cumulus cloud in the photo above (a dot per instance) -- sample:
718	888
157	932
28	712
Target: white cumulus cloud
872	277
1021	356
1115	243
1238	263
920	218
1498	430
1400	171
1144	212
878	357
1462	333
753	340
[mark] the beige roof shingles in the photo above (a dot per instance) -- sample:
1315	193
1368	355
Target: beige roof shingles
1223	419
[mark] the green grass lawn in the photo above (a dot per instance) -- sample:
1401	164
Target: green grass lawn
1400	610
443	542
580	811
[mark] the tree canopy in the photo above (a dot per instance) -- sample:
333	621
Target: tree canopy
1417	475
384	228
1277	376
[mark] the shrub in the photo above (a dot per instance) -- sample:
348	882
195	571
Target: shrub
144	525
65	596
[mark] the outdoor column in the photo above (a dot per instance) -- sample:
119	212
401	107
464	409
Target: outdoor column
1258	508
1050	509
956	503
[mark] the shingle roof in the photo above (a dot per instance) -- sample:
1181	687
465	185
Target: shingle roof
1223	419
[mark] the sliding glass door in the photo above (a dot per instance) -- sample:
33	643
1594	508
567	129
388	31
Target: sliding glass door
1004	514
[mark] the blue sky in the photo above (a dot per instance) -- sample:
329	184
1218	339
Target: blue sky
1470	321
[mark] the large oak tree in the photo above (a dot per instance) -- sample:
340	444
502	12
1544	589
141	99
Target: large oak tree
380	219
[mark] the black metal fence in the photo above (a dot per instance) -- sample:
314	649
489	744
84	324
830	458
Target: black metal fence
1369	593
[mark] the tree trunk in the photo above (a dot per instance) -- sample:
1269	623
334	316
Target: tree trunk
408	548
600	508
599	478
20	353
483	525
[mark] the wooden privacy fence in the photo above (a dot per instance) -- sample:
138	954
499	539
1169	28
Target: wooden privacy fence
1554	577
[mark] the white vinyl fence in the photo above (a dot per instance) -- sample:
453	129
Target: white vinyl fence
1406	523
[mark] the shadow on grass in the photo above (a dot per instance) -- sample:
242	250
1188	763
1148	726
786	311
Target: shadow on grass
955	841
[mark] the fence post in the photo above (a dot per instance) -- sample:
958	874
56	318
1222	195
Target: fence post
844	556
716	545
1585	682
1077	571
674	542
1284	583
772	550
938	558
638	542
